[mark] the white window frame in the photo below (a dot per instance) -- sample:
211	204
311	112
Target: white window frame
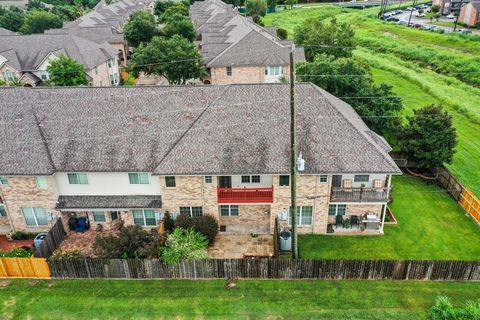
229	208
174	182
144	218
300	216
138	175
250	178
4	180
42	182
190	211
323	177
34	212
361	178
336	209
274	71
98	212
77	175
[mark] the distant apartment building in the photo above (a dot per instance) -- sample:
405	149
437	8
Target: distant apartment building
27	57
235	49
134	153
449	6
470	13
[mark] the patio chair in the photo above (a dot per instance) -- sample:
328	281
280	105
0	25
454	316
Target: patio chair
81	225
354	221
338	221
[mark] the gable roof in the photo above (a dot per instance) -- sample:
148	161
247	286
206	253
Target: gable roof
32	50
229	39
182	130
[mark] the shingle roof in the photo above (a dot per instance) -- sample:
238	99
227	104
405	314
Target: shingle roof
476	5
32	50
182	130
4	31
108	202
229	39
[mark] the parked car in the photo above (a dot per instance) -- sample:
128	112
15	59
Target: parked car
410	8
39	239
392	19
430	28
420	15
418	25
450	16
402	22
465	31
398	11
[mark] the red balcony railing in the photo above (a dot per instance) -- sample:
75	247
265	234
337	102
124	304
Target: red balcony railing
245	195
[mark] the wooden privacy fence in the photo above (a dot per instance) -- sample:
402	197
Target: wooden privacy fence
24	267
267	269
53	239
471	204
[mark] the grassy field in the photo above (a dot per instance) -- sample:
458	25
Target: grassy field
431	227
185	299
423	67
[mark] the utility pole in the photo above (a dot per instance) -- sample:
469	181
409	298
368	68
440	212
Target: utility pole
293	161
411	12
458	15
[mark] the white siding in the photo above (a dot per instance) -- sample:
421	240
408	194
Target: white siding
265	182
106	183
382	177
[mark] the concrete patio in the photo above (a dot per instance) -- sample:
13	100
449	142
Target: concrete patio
230	246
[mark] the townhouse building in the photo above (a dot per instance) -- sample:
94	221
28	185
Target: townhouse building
27	57
235	49
133	153
470	13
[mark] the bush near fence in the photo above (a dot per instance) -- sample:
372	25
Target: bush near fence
267	269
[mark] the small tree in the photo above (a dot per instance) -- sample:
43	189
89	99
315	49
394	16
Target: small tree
131	242
184	244
282	33
335	39
183	221
65	71
256	8
173	12
206	225
183	27
435	9
168	222
11	18
39	21
291	3
429	139
141	27
176	59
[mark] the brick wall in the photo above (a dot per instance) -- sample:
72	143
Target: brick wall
252	74
469	15
22	191
100	77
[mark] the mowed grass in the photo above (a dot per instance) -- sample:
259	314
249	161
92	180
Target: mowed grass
186	299
430	226
400	56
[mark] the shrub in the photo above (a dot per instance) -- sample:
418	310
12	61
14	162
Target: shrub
131	242
17	253
168	222
20	235
71	254
183	221
206	225
444	310
282	33
184	244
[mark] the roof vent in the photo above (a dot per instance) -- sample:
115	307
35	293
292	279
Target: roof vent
18	117
300	163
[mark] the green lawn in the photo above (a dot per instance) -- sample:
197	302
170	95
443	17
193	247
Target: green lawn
186	299
430	226
406	59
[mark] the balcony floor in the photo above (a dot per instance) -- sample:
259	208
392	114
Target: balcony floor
229	246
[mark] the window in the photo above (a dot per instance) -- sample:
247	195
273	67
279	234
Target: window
8	76
274	71
3	212
208	179
229	210
229	71
99	216
138	178
304	215
284	181
251	179
44	75
361	178
170	182
337	209
144	218
78	178
114	214
3	180
323	178
112	80
35	216
109	63
42	182
192	211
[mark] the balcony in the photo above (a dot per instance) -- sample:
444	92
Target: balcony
360	194
245	195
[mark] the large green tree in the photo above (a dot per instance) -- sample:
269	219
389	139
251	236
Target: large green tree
65	71
176	59
429	138
351	81
174	12
11	18
256	8
141	27
183	27
331	38
39	21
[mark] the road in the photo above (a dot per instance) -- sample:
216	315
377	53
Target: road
426	21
